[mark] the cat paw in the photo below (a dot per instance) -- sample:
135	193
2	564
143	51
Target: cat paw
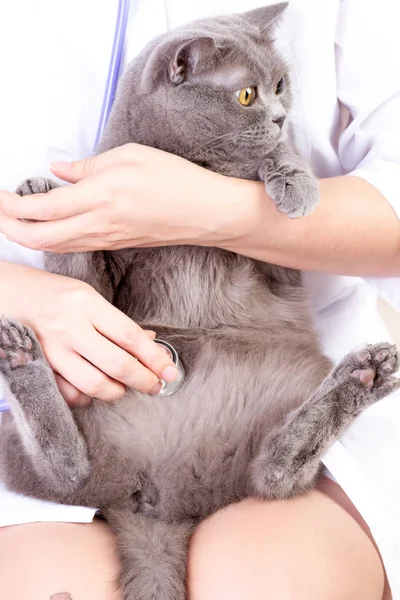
35	185
295	193
373	368
18	346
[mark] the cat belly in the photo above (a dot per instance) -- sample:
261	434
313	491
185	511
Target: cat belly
188	454
178	457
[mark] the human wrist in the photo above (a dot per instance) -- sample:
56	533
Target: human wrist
231	212
248	221
12	277
15	280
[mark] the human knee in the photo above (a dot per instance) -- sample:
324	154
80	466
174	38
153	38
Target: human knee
283	551
60	561
230	558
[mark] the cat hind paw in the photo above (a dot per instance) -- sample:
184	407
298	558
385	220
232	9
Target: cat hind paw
373	366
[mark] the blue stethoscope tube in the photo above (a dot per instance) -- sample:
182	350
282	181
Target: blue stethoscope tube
114	66
110	89
4	405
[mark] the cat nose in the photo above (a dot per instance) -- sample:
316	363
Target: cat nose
279	120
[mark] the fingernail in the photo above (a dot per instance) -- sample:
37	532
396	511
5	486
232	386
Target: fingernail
61	165
157	389
169	374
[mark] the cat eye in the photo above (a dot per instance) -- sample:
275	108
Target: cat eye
280	86
246	96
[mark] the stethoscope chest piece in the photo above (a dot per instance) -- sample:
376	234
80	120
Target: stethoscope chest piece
170	388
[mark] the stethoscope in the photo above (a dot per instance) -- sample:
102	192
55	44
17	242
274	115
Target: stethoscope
113	74
114	67
167	389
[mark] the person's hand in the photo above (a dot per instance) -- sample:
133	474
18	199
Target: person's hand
94	348
128	197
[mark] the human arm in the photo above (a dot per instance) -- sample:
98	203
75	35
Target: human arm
353	230
140	196
89	343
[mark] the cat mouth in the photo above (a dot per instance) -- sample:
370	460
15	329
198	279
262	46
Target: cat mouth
279	129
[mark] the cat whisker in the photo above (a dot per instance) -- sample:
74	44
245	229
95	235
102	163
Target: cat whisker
213	143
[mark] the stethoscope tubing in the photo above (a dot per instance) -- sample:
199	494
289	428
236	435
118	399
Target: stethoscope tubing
114	67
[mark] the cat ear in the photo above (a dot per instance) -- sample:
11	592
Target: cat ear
267	16
188	56
175	61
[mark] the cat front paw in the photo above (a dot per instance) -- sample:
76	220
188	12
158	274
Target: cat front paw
18	346
295	192
35	185
373	368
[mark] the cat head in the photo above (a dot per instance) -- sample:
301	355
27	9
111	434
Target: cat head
213	90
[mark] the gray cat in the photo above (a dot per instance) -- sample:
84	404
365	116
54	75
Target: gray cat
260	403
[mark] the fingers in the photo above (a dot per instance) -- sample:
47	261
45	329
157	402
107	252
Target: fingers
71	394
75	397
151	334
58	203
85	211
84	376
76	170
118	364
45	235
126	334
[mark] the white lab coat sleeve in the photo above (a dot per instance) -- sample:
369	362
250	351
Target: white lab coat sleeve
368	82
368	86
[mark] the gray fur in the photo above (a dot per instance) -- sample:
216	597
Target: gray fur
259	405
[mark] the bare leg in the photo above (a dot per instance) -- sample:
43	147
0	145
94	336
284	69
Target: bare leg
307	548
41	425
289	461
249	551
153	556
40	560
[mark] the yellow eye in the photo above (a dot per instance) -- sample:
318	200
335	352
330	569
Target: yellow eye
246	96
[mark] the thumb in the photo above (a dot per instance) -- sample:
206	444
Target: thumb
74	171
